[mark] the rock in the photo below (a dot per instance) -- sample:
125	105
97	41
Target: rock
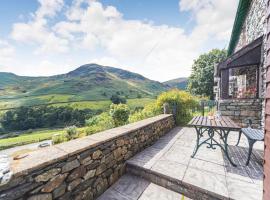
89	174
124	150
54	183
101	169
120	142
96	154
88	194
41	197
70	166
102	186
59	191
113	178
117	153
87	161
74	184
77	173
47	175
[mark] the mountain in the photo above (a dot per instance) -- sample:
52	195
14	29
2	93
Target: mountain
88	82
180	83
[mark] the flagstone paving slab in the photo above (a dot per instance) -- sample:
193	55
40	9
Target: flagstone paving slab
166	170
208	172
130	187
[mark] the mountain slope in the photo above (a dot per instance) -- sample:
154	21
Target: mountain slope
88	82
180	83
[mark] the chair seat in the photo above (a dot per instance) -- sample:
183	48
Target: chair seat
254	134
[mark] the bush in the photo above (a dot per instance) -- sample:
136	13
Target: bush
58	138
182	100
150	110
99	123
71	132
116	99
119	113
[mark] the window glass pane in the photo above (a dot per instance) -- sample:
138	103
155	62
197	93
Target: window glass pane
243	82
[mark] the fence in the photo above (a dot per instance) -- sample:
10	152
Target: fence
205	108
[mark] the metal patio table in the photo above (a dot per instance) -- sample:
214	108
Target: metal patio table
212	125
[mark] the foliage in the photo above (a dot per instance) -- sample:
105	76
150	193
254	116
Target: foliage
183	101
59	138
71	132
120	113
150	110
116	99
24	118
99	123
201	80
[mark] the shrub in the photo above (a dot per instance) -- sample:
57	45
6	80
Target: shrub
183	101
119	113
99	123
71	132
116	99
58	138
150	110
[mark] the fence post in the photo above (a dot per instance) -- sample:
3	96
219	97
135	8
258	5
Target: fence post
174	110
166	108
202	102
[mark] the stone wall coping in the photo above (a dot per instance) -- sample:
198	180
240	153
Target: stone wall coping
239	100
47	156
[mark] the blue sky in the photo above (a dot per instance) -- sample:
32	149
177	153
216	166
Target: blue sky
157	38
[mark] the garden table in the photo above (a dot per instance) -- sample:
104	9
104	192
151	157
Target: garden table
212	125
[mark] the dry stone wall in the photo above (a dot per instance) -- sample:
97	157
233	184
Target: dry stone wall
82	168
240	110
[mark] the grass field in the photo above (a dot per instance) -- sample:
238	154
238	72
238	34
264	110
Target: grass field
56	100
27	138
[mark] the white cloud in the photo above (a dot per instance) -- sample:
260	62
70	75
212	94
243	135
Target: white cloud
101	32
6	52
37	31
49	8
213	17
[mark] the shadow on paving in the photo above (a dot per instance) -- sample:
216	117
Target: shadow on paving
239	155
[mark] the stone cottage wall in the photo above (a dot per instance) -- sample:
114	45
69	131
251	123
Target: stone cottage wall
240	110
82	168
253	26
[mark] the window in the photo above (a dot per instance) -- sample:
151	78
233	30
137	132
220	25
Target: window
243	82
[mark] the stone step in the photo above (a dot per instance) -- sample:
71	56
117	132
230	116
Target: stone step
173	184
130	187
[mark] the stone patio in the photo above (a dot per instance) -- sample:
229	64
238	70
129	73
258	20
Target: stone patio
208	175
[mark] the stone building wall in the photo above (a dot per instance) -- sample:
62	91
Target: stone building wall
82	168
254	24
253	28
240	110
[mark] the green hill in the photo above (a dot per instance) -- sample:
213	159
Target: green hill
180	83
88	82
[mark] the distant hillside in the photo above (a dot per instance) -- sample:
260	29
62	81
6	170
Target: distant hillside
88	82
180	83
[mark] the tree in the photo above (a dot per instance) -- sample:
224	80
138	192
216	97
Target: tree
116	99
120	113
201	80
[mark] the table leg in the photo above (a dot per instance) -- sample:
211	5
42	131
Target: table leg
199	134
225	140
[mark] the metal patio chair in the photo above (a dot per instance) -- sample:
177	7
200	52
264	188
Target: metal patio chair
253	135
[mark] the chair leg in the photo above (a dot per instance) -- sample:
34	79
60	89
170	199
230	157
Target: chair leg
251	143
239	137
